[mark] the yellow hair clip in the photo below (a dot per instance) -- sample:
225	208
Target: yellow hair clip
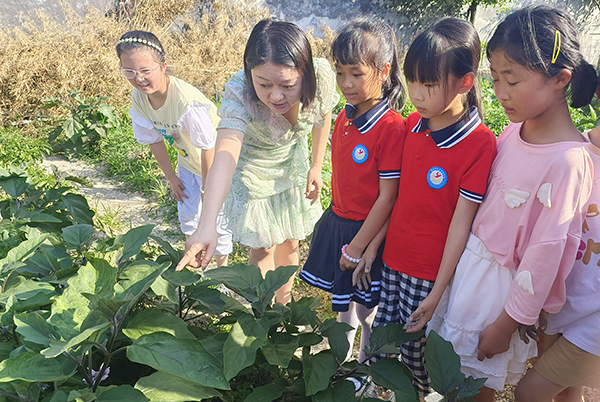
556	50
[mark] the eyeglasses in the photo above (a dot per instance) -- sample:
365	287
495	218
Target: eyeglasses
130	73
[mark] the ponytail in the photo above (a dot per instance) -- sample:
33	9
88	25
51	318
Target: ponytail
583	84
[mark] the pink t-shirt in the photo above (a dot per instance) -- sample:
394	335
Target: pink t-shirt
531	218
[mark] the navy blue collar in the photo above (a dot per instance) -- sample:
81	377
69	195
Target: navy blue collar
454	133
367	120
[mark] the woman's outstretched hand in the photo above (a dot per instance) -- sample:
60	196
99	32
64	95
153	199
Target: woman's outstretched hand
199	243
314	184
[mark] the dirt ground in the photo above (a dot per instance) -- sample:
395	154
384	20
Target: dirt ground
133	209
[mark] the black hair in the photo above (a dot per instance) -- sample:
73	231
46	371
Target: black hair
282	43
372	43
449	46
134	40
527	36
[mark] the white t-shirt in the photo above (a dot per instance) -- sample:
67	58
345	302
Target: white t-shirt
579	318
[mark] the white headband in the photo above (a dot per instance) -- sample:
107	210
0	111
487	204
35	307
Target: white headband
144	41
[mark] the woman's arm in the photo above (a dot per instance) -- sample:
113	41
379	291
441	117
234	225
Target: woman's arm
218	181
206	160
379	213
159	150
458	233
314	181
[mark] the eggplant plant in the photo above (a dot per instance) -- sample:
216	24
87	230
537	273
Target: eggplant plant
87	317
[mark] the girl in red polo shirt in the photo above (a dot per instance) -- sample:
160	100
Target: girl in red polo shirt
366	149
447	155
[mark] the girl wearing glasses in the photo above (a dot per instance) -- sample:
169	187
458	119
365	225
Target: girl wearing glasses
167	108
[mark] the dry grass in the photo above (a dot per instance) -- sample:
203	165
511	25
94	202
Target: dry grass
45	58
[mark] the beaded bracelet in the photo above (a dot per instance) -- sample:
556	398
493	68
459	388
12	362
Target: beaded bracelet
346	256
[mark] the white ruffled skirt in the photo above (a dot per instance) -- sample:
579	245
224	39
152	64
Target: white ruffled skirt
473	300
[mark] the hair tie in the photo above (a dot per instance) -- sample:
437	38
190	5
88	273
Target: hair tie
142	41
556	50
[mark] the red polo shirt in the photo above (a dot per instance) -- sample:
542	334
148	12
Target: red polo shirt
437	166
364	150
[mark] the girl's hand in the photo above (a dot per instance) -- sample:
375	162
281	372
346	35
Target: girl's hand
495	338
346	263
314	184
361	277
200	241
178	188
528	331
422	314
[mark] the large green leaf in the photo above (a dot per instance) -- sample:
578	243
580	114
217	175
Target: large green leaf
243	279
34	367
141	275
77	235
304	311
161	387
173	254
388	339
162	287
214	344
266	393
245	337
470	388
341	391
318	370
185	358
390	374
58	347
25	289
6	348
280	349
336	335
184	277
35	328
79	209
154	320
14	182
133	240
23	250
48	259
122	393
106	307
277	278
71	308
36	216
442	364
59	396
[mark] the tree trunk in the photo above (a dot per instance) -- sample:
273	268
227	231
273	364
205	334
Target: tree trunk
472	11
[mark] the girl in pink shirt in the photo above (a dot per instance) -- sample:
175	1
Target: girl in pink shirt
526	232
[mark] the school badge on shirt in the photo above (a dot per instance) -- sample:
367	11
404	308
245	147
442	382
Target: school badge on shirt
360	153
437	177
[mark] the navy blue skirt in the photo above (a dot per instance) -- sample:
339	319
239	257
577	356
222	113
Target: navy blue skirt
322	267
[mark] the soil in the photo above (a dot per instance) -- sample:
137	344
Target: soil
107	197
133	209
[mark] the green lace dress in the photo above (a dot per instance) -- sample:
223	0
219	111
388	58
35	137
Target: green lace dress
266	204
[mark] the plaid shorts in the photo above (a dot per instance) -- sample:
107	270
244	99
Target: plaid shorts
400	295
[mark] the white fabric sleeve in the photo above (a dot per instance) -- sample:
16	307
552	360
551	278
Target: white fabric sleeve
143	130
196	121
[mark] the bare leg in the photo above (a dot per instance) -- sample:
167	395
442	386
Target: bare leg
485	395
263	258
221	259
286	254
533	387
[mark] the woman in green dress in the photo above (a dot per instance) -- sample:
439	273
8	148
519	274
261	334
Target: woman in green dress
263	169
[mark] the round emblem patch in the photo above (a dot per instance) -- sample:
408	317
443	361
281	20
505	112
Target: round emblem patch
360	153
437	177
